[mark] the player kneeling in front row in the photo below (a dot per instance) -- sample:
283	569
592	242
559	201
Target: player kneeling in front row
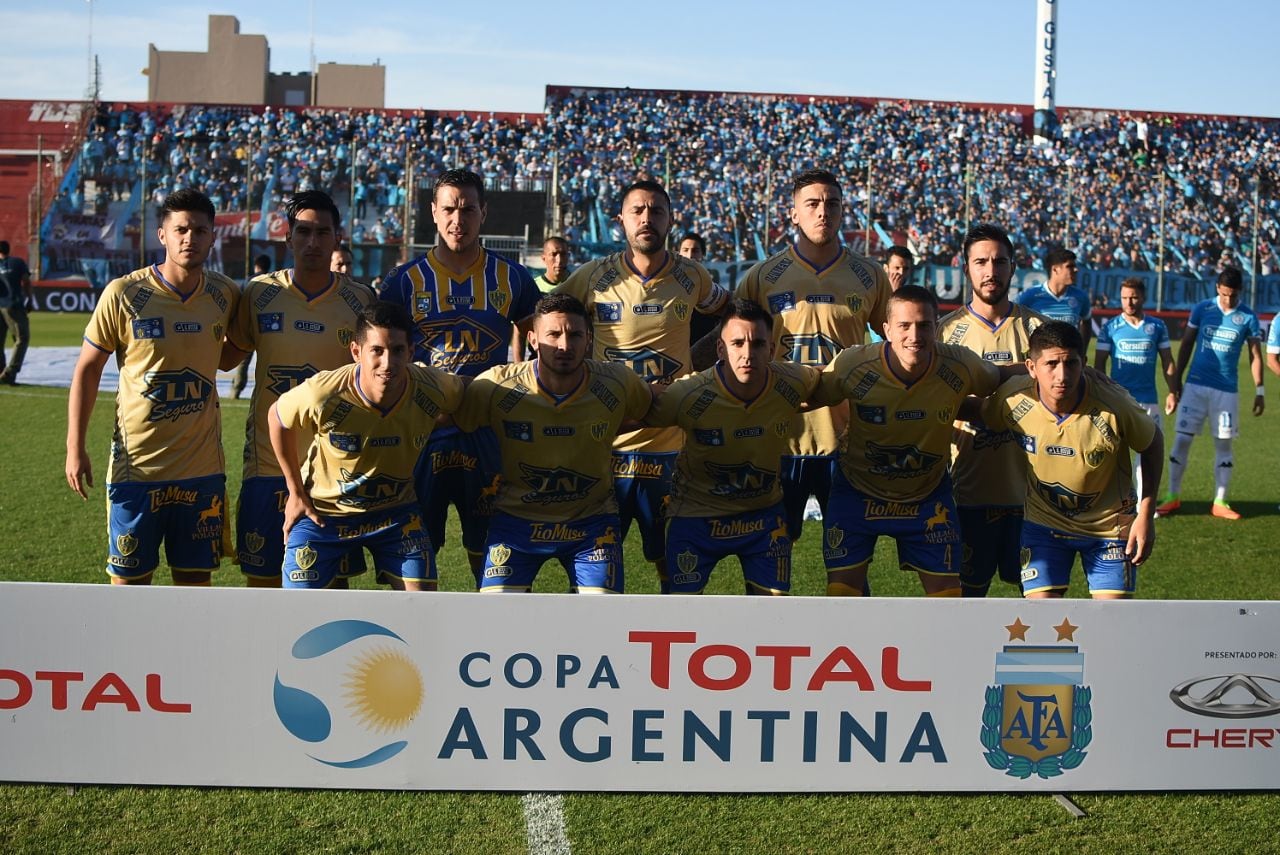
1077	434
362	428
727	497
891	474
555	418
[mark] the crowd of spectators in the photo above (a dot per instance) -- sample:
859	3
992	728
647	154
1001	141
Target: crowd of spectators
913	171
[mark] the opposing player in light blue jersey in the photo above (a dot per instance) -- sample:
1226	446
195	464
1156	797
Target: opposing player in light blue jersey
1217	331
1273	346
1058	298
465	302
1137	342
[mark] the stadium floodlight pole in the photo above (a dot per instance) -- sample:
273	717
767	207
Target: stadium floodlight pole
968	190
406	254
866	232
555	192
1253	275
764	211
142	211
39	205
1160	256
351	198
248	212
1066	233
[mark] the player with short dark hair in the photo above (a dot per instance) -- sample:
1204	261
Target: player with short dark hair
824	296
361	427
899	264
465	302
1059	298
1217	330
891	477
555	418
987	466
555	257
736	416
693	245
1076	434
641	301
164	325
300	321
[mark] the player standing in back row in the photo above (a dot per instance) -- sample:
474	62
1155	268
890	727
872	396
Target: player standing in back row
641	302
824	297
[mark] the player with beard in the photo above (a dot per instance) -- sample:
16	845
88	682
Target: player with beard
555	418
641	302
987	466
823	296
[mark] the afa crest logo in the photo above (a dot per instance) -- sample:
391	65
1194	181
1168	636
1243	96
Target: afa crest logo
361	669
1037	719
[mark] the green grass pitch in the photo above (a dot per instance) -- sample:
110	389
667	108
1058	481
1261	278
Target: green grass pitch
48	534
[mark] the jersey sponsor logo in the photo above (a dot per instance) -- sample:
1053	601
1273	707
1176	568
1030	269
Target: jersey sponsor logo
734	527
187	327
609	277
1102	426
604	395
863	276
998	356
899	461
776	273
647	309
650	364
138	302
349	297
910	415
459	341
558	430
216	295
270	322
682	279
268	294
348	442
144	328
870	414
384	441
463	300
877	510
337	417
631	466
946	375
175	394
608	313
363	529
555	533
453	459
369	491
308	326
1025	406
1059	451
1129	345
422	304
1064	500
957	335
520	431
787	392
554	485
513	397
704	400
864	385
748	432
708	436
782	302
820	298
983	438
741	480
810	348
170	494
282	378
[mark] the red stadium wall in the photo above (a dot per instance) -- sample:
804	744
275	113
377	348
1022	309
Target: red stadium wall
26	126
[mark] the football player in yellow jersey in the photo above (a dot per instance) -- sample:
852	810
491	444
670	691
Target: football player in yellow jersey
825	296
891	476
299	321
165	481
1076	434
555	418
987	466
363	427
641	301
736	417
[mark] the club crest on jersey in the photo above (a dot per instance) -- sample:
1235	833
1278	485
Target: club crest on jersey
176	393
599	430
497	299
270	322
782	428
422	304
946	415
854	302
681	308
218	331
608	313
345	336
782	302
304	556
499	554
1037	718
254	541
1095	456
126	543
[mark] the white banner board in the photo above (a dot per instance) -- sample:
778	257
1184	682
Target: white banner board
258	688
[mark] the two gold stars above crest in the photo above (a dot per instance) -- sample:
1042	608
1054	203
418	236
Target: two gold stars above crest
1018	630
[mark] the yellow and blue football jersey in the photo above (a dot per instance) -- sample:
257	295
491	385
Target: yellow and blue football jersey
357	457
167	424
644	324
463	323
899	439
556	452
1079	479
987	466
732	448
819	313
295	336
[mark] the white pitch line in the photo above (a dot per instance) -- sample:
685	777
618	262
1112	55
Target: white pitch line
544	824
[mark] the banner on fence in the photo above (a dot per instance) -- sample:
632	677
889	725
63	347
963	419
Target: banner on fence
234	687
